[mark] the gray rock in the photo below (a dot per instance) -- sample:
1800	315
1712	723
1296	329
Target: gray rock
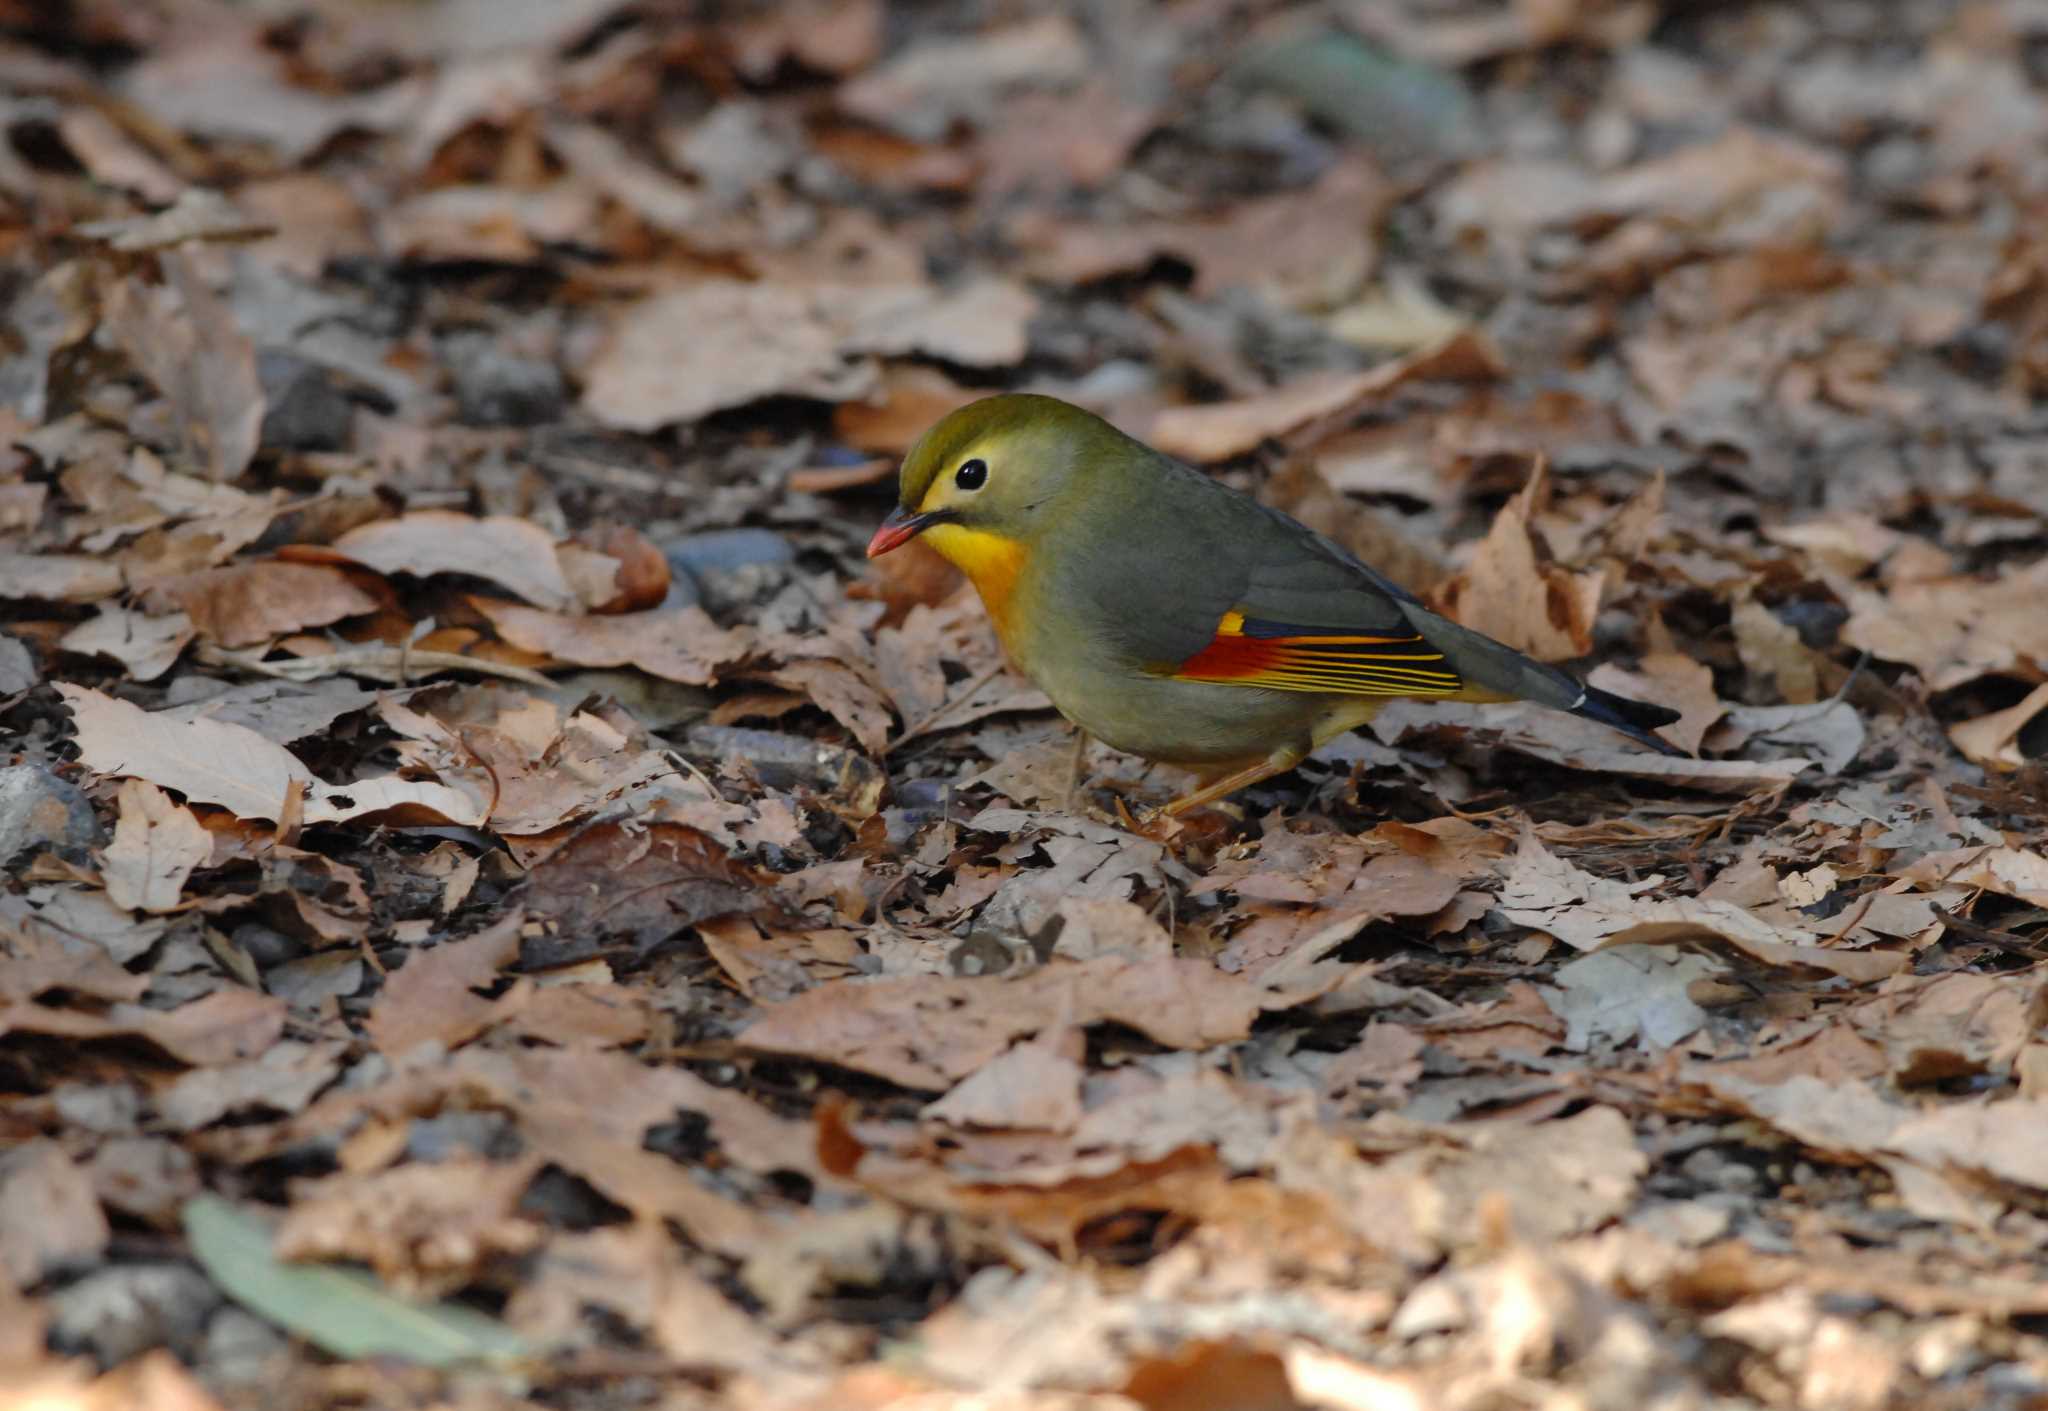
494	387
242	1349
723	550
303	408
39	810
17	666
119	1312
731	568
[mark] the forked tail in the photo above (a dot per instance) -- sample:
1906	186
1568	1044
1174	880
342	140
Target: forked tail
1635	719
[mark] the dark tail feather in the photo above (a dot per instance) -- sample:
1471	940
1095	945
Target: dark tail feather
1635	719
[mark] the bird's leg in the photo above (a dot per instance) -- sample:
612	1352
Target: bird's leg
1076	795
1278	762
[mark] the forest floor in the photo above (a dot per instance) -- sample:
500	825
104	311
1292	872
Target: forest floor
504	905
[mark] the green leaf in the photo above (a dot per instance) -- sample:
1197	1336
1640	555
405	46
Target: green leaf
341	1311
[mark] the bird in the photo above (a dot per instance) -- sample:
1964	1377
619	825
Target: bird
1172	617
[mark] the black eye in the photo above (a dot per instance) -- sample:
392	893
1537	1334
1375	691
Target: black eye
972	475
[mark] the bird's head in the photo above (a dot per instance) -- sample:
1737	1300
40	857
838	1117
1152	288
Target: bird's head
998	472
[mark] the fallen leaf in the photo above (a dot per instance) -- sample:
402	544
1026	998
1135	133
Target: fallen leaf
516	554
339	1310
1226	429
156	845
183	338
211	761
217	1028
1954	630
1511	595
248	603
433	996
640	885
49	1219
2006	739
146	646
681	644
810	342
929	1031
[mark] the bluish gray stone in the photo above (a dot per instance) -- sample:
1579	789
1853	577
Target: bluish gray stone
723	550
39	810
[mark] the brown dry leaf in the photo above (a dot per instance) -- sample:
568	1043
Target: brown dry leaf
248	603
185	340
425	1228
842	693
2012	872
1557	1178
58	578
933	84
1953	630
156	845
1589	913
1304	249
516	554
49	1218
540	769
929	1031
639	884
433	996
1226	429
1034	1087
146	646
2007	739
1669	679
681	644
1511	595
789	340
217	1028
831	36
1771	651
283	1078
212	761
581	1013
637	1273
908	400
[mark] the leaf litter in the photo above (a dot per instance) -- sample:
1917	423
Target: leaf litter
497	883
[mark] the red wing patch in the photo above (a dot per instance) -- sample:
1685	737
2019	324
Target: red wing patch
1283	657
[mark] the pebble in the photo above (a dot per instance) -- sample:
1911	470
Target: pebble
39	810
17	666
497	388
119	1312
729	568
303	409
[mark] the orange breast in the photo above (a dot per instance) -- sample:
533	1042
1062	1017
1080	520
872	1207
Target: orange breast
992	564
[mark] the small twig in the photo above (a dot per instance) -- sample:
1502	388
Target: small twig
953	702
391	665
1974	931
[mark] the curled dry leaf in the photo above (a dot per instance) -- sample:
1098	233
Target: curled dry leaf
1227	429
433	996
219	1028
929	1031
679	644
783	340
638	885
248	603
1953	630
2007	739
516	554
156	845
145	646
185	340
211	761
1512	595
